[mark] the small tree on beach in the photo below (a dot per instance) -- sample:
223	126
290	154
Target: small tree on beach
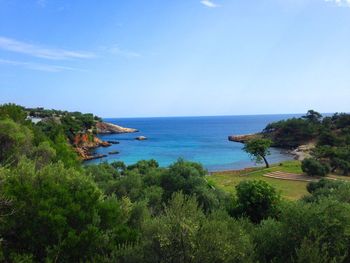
258	149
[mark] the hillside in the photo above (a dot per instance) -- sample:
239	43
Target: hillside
80	129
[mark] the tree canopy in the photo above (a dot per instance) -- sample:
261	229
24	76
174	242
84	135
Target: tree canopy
258	149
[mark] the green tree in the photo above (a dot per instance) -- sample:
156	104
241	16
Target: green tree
15	141
313	116
60	215
182	176
13	112
313	167
257	200
44	154
258	149
291	133
144	166
171	237
325	188
223	239
316	231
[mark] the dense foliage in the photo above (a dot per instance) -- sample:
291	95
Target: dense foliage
70	123
52	209
313	167
330	135
257	200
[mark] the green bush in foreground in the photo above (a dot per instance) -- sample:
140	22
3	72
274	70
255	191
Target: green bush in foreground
257	200
58	213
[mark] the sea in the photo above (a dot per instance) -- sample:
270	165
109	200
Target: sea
197	139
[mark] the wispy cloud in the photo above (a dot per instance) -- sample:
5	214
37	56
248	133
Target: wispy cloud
13	45
209	3
37	66
116	50
340	2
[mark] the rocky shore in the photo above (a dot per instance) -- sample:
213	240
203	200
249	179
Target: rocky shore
244	138
303	151
109	128
85	142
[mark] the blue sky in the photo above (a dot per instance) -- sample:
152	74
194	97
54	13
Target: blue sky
135	58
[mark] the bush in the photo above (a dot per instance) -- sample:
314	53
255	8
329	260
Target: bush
257	200
305	232
58	213
324	188
313	167
15	141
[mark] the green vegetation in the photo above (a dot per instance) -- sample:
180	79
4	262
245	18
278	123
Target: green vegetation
257	200
70	123
313	167
52	209
20	138
330	134
294	132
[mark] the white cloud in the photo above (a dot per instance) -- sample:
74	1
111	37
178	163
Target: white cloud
41	52
340	2
37	66
209	3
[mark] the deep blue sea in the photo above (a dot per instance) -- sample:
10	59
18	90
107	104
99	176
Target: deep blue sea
198	139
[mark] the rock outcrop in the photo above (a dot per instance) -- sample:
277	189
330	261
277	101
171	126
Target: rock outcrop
85	154
83	143
109	128
303	151
113	142
243	138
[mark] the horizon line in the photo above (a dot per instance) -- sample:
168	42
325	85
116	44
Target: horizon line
226	115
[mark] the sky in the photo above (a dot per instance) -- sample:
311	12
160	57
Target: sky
143	58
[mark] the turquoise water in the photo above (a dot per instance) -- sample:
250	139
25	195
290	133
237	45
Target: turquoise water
199	139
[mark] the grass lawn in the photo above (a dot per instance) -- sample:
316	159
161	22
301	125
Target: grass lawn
291	190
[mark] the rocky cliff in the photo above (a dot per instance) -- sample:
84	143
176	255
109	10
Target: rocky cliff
243	138
83	144
109	128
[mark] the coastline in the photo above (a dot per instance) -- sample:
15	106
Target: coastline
85	143
203	140
300	153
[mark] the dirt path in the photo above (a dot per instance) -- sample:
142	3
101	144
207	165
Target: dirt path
291	176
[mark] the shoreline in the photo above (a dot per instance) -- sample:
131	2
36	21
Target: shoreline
86	143
300	153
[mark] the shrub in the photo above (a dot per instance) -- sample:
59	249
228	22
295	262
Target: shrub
313	167
257	200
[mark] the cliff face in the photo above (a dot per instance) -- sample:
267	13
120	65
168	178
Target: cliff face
109	128
85	142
